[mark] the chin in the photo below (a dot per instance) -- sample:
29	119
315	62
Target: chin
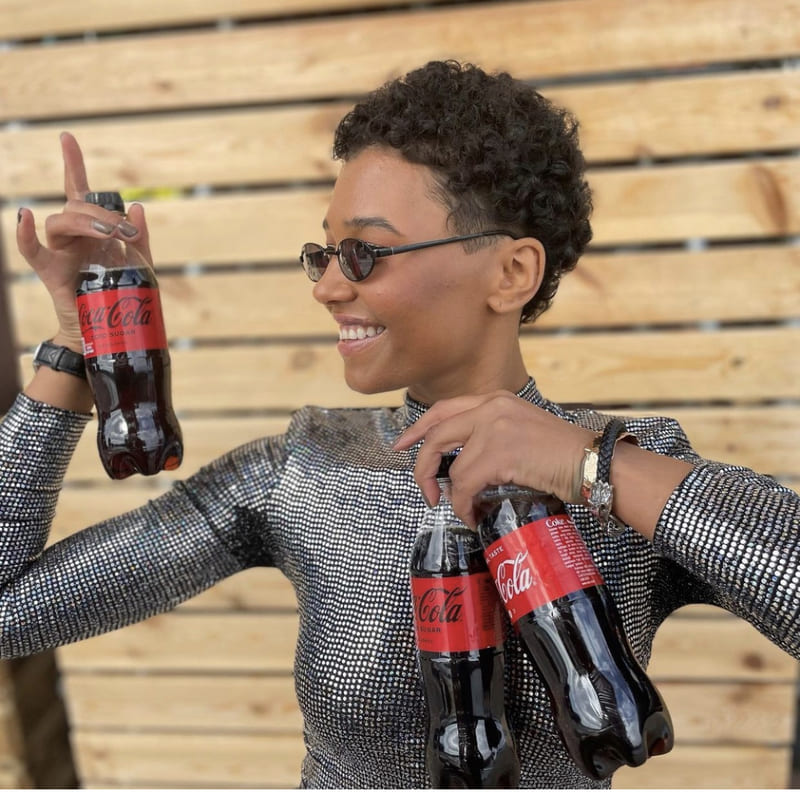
371	385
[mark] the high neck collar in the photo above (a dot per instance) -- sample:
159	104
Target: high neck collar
414	409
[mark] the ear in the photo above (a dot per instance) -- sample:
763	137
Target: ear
518	275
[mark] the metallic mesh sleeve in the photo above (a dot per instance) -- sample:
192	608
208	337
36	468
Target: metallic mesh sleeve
112	574
36	445
740	533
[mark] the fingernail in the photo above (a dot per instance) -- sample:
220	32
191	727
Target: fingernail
128	230
103	228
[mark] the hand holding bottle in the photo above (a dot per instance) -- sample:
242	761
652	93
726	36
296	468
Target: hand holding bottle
71	235
508	439
503	438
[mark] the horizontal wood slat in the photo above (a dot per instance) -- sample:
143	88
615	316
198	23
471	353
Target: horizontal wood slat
745	713
704	643
192	641
710	767
215	760
737	713
762	438
631	119
204	703
267	762
714	201
602	368
672	287
674	117
206	69
52	17
631	289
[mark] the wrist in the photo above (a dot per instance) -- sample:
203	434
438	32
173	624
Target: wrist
68	340
60	376
61	390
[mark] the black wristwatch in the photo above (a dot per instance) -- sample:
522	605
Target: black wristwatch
59	358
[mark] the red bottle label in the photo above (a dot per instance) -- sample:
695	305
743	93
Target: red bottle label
539	563
456	614
121	320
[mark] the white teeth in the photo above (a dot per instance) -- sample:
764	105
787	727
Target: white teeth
359	332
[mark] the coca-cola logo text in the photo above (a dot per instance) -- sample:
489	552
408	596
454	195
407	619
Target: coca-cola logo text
129	311
440	605
513	577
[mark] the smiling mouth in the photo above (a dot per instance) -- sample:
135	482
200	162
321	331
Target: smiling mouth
357	333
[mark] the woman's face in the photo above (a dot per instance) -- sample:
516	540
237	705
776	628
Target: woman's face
420	319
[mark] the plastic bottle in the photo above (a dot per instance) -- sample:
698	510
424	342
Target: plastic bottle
606	708
127	360
459	627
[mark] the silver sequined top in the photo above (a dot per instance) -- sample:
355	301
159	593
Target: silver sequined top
334	508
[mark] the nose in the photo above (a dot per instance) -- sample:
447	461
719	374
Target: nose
333	287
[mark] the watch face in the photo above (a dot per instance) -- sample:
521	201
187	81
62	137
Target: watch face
590	468
37	364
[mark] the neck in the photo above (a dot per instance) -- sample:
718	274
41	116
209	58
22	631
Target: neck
509	375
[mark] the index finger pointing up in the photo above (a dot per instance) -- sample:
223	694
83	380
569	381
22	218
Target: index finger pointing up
75	183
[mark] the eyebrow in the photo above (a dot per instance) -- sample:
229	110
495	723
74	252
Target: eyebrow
360	223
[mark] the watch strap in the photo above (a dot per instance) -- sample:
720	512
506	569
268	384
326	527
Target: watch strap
59	358
605	451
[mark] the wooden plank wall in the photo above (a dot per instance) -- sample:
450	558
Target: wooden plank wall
220	115
13	770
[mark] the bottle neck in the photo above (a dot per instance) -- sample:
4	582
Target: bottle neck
445	489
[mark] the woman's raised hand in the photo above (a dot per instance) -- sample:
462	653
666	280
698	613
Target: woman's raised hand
70	237
503	439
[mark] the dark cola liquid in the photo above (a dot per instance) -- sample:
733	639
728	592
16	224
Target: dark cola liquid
138	431
469	743
606	708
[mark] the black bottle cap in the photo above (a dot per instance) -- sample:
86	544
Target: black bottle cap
108	200
444	465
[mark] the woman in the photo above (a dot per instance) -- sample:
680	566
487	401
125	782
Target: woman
447	151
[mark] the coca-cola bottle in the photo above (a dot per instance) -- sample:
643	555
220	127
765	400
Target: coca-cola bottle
606	708
459	627
127	360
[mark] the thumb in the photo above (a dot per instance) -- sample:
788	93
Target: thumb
135	215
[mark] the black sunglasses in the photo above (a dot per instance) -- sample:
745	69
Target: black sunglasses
357	258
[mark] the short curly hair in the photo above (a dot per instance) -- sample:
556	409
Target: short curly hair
502	156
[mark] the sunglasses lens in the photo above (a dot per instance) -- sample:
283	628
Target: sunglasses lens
355	259
315	260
